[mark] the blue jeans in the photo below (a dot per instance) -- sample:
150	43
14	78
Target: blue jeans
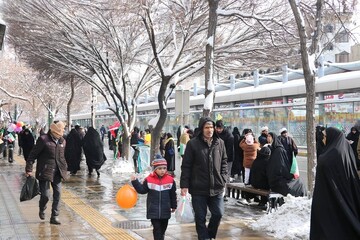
200	204
45	194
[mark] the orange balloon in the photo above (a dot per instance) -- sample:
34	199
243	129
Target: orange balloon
126	197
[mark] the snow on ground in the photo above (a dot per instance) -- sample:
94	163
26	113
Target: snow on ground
290	221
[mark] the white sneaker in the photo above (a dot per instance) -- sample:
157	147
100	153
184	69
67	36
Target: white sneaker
231	179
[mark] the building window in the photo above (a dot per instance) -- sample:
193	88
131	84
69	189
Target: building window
342	37
328	28
342	57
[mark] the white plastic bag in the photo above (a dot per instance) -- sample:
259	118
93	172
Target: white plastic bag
184	212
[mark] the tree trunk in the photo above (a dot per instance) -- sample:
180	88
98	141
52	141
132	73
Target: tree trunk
156	133
68	106
209	58
125	151
309	76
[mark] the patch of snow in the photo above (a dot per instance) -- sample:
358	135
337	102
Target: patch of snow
209	100
290	221
210	40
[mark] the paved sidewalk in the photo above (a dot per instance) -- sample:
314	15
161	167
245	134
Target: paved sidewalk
88	211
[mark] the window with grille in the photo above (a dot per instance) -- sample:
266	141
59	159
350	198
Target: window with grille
342	57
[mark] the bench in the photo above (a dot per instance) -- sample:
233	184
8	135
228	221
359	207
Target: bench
274	199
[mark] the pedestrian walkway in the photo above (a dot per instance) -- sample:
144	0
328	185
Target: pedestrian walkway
88	211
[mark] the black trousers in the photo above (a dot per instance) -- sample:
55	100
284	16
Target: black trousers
159	228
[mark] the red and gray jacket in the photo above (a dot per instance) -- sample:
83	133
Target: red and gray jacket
161	195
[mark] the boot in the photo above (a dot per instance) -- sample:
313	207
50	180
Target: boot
42	214
55	220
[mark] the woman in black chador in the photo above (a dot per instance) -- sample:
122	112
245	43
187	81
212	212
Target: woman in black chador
335	210
353	138
73	151
94	150
278	170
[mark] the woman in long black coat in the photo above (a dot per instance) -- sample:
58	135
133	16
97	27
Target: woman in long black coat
238	154
335	210
73	151
94	150
27	143
170	152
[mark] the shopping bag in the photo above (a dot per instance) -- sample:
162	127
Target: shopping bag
30	189
294	168
184	212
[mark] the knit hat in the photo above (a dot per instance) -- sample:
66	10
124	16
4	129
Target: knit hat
158	162
57	129
283	130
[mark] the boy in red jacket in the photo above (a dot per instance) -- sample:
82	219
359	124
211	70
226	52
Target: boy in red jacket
161	199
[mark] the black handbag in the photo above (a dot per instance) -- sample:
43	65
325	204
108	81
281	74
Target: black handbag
30	189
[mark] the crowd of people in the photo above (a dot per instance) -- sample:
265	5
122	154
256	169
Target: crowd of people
211	156
56	153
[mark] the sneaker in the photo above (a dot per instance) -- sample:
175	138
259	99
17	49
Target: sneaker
225	198
55	220
231	179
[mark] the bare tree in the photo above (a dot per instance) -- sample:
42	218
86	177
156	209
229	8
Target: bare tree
95	42
309	19
185	30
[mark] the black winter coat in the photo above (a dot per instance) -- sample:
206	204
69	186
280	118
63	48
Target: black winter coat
161	196
204	168
228	139
258	175
49	156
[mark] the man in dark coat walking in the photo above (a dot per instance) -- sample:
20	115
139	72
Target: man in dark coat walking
51	167
204	174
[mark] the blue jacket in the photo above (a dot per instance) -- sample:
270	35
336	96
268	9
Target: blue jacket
161	195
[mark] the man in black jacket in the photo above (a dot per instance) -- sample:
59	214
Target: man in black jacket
204	174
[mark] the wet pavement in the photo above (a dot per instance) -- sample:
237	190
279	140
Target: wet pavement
89	211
